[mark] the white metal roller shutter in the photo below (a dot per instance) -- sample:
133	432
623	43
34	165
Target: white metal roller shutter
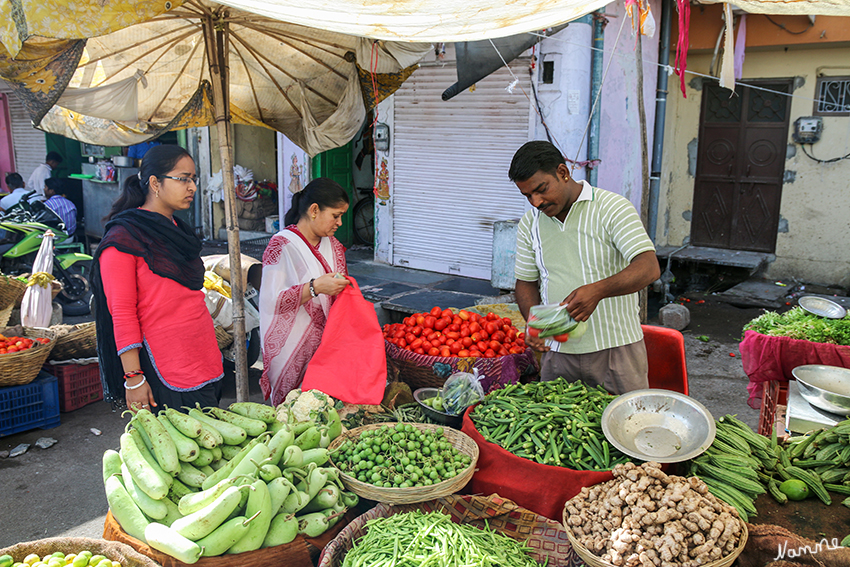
29	143
450	168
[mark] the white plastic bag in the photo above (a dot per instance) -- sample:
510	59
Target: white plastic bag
461	390
553	320
37	304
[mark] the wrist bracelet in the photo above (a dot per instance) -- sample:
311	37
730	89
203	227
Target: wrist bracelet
312	289
136	386
132	373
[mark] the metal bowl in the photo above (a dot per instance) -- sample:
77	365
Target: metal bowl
825	387
822	307
658	425
450	419
122	161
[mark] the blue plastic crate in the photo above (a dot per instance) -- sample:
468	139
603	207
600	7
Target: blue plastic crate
29	406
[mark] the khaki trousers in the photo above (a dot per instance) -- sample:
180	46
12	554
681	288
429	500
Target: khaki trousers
618	370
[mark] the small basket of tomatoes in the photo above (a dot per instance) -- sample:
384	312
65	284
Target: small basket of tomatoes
23	351
425	348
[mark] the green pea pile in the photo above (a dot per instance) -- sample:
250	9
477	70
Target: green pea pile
400	456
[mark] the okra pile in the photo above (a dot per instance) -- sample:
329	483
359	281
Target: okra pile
741	464
552	423
400	456
733	465
416	539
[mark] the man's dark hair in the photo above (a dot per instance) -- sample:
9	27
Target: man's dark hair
538	155
56	185
54	156
14	180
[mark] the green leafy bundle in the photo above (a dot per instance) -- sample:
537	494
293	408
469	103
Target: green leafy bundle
800	324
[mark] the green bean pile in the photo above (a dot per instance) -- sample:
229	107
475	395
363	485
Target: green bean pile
414	539
552	423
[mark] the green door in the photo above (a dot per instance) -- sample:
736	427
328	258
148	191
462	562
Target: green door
336	164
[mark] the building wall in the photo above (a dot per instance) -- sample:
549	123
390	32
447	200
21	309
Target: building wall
29	144
254	148
814	221
619	138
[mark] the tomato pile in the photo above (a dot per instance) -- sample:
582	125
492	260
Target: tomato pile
9	345
441	332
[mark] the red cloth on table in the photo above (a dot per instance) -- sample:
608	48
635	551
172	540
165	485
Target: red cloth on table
350	363
171	319
540	488
767	358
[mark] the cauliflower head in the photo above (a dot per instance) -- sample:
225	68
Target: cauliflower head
299	404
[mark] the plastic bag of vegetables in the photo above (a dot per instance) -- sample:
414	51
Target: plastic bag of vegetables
460	391
553	320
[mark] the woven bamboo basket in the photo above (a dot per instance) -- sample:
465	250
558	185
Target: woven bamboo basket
224	338
78	341
11	292
113	550
418	370
460	441
19	368
594	561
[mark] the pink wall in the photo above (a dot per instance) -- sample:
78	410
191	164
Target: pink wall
7	152
619	147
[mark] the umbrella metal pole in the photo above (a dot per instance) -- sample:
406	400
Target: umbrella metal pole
217	49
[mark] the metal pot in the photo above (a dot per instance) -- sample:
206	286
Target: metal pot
122	161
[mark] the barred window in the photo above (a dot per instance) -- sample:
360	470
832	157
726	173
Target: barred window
833	96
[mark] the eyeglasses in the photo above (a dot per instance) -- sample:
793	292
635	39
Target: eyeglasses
185	180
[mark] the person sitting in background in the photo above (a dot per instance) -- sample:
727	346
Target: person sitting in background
15	183
42	173
59	204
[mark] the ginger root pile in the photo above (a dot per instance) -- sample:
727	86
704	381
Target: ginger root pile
646	518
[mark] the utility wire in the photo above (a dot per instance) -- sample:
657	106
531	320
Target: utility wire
812	157
670	69
782	26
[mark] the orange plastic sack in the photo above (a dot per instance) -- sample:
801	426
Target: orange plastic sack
350	363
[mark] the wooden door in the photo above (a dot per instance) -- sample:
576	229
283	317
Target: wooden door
740	164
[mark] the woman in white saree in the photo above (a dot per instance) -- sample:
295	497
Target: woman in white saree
300	282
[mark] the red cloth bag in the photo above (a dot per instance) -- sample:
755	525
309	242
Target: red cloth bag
350	363
767	358
540	488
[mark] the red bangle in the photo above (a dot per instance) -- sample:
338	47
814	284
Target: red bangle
133	373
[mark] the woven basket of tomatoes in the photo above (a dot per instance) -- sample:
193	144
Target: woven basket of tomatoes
23	351
426	348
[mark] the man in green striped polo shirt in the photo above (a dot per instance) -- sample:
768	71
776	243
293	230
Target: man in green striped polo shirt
585	248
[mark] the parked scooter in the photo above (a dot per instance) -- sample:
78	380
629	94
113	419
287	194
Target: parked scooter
25	225
251	273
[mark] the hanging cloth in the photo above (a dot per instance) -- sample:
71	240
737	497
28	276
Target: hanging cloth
683	43
740	44
727	68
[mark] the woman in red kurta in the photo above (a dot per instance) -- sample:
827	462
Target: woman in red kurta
156	340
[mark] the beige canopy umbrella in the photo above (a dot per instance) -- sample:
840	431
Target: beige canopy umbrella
206	64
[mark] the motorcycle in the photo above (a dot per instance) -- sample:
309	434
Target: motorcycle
24	225
221	310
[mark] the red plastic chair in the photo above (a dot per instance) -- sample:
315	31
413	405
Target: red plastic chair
665	351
